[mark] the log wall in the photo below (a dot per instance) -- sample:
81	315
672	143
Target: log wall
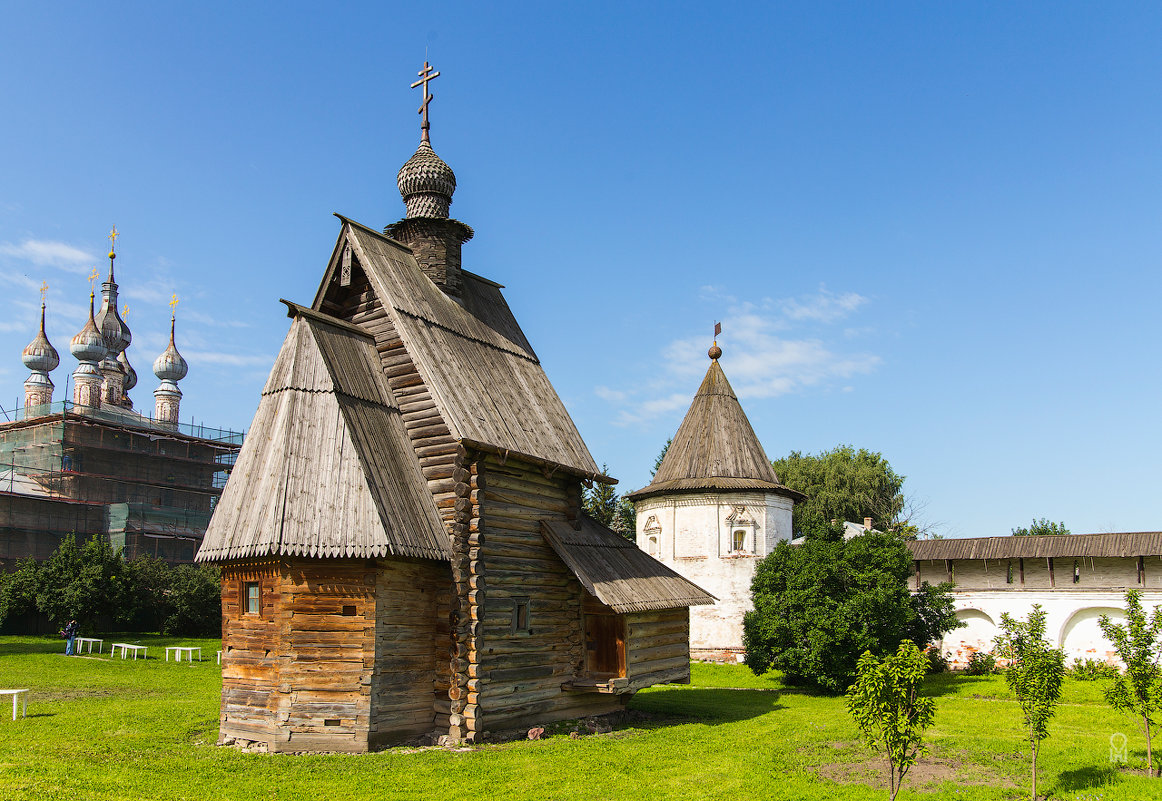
658	647
342	657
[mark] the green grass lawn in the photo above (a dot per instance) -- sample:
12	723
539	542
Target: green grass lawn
100	728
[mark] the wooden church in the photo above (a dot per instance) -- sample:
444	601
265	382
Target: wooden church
402	543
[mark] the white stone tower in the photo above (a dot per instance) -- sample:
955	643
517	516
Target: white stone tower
713	510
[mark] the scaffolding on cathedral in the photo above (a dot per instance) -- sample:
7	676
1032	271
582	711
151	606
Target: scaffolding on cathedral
149	485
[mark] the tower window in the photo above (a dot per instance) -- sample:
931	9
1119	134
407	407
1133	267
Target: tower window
738	543
653	546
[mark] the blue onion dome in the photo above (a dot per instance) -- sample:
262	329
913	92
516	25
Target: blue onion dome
113	328
130	373
88	345
40	356
426	183
170	366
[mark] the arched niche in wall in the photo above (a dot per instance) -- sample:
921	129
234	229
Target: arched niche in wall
1081	637
978	631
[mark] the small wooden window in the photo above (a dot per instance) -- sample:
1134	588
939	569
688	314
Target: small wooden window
349	611
331	722
253	598
520	615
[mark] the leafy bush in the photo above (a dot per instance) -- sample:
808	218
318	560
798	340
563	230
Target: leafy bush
1092	670
981	663
820	604
937	662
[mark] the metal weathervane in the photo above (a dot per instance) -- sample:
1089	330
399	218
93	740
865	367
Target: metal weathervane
426	75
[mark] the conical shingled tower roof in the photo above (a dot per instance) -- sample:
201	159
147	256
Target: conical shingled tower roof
715	447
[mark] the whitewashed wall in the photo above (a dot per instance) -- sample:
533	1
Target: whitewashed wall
692	533
1070	623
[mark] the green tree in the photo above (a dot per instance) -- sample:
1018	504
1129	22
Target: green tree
1041	528
819	604
196	596
600	501
1139	690
661	456
18	590
604	505
56	575
842	484
146	600
887	707
1035	673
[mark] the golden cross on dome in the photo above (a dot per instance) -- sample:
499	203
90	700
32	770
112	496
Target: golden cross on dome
173	305
125	313
426	75
92	279
113	238
43	291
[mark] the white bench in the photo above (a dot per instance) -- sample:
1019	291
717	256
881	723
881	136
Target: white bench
187	649
17	695
127	647
90	640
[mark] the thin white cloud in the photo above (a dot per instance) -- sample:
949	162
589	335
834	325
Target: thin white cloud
227	359
823	307
47	253
608	394
765	358
206	319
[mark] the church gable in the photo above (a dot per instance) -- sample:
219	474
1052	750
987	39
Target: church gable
472	357
327	469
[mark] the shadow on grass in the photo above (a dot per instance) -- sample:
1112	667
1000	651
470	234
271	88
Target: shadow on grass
940	684
1087	778
708	705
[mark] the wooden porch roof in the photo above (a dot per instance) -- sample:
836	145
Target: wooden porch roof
617	572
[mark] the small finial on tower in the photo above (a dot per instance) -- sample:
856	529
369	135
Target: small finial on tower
715	351
113	242
426	75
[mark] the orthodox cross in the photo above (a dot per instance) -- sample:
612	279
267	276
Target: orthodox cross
92	279
125	313
426	75
113	238
43	291
173	305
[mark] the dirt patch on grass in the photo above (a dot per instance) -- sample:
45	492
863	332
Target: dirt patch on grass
929	772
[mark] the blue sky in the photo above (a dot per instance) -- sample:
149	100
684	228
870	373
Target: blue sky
929	229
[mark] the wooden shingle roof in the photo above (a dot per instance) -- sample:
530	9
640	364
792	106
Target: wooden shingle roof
484	377
617	572
715	448
327	469
1140	543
